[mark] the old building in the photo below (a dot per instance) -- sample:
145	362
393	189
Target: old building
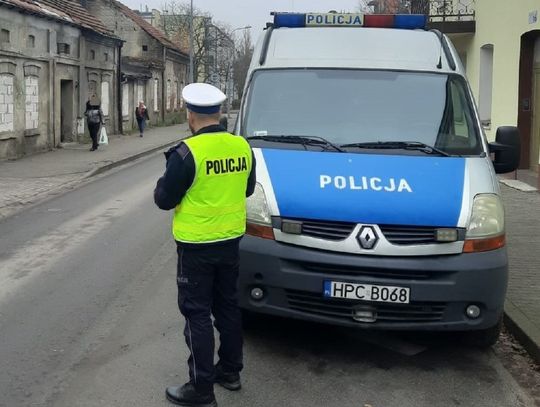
53	56
153	68
499	44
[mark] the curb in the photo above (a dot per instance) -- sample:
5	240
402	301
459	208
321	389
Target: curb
523	329
125	160
64	188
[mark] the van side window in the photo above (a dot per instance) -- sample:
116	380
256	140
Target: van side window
458	134
460	122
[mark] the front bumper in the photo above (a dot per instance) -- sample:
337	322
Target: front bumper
441	286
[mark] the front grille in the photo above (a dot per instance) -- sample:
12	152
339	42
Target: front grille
409	235
398	235
329	269
327	230
313	303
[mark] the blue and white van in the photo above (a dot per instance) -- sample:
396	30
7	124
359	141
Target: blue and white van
377	203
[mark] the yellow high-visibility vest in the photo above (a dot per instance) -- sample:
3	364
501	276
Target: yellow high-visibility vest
214	207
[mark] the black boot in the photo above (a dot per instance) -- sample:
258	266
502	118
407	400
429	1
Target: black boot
229	380
189	397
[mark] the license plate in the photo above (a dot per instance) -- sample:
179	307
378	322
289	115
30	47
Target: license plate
366	292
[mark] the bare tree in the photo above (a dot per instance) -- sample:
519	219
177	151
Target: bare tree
364	6
389	6
213	46
175	24
244	53
221	48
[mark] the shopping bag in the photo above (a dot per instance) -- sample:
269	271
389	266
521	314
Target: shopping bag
103	139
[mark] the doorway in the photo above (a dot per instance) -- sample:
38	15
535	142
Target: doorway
535	133
529	100
66	111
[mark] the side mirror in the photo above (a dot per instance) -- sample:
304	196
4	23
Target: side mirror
506	149
224	122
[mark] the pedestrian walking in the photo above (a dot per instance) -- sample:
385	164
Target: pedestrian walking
207	179
94	119
141	114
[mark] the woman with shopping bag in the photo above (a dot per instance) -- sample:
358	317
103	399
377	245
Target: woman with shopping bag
94	119
141	114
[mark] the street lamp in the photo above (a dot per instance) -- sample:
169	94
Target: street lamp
191	43
231	61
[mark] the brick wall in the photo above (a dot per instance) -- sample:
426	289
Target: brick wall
125	28
6	103
32	102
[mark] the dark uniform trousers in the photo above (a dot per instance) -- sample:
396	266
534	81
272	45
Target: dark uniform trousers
207	285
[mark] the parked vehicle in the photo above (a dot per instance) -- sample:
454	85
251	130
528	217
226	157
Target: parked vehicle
377	204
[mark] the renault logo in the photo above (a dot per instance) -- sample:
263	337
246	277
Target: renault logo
367	237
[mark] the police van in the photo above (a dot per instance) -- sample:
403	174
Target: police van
377	203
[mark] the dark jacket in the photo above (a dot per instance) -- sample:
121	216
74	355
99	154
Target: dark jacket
141	116
90	107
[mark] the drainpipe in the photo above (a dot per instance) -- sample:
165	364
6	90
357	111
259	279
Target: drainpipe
163	93
119	89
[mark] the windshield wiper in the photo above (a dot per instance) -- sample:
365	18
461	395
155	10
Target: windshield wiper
304	140
398	145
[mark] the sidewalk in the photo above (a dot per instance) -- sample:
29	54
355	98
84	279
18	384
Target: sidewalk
31	179
523	299
523	180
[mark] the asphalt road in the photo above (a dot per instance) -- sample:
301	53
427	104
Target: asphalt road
88	318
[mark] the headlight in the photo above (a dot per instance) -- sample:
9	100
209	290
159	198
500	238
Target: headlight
257	208
487	218
486	227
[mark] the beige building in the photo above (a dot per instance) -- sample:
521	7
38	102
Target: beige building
500	48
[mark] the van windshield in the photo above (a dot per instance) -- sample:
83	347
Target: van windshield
354	106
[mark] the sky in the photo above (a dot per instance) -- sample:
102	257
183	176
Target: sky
240	13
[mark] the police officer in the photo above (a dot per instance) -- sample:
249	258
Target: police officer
207	180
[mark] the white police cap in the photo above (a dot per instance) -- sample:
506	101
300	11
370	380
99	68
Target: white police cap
203	98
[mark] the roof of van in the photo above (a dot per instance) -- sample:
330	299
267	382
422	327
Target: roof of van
367	48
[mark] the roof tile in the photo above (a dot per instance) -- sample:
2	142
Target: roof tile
63	10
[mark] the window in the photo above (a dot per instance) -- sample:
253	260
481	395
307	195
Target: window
92	55
32	102
125	100
175	95
145	48
180	95
369	106
6	103
63	48
106	57
486	84
140	92
156	92
92	87
105	98
457	131
31	41
4	36
169	94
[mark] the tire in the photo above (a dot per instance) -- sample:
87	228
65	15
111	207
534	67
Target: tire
483	338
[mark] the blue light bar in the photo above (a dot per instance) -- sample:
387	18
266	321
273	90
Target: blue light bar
300	20
410	21
292	20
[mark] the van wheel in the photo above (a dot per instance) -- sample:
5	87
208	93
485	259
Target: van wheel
484	338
